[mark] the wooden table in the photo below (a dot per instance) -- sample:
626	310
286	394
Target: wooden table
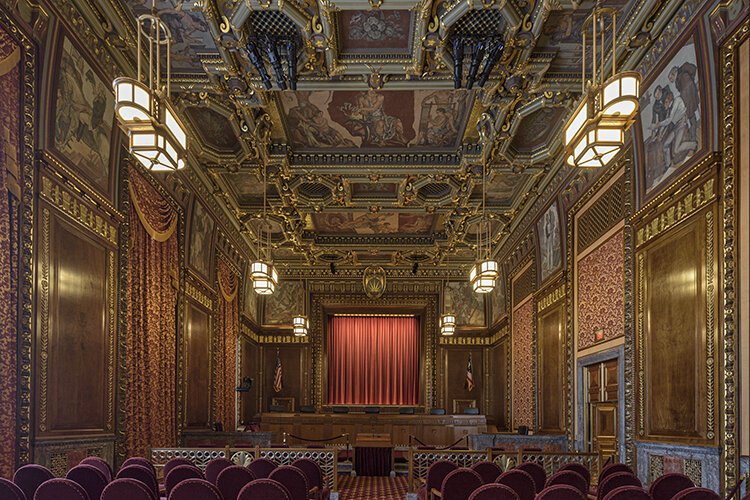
373	454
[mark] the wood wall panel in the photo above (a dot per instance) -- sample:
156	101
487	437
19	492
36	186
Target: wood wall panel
294	363
75	343
677	297
250	367
551	331
499	369
197	367
455	361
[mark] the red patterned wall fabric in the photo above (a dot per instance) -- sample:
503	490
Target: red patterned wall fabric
152	326
9	146
523	365
601	293
226	346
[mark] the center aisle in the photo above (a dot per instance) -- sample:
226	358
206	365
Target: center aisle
372	488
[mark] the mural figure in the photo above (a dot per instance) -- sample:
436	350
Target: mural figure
671	117
308	125
83	117
284	303
366	118
250	299
437	124
461	300
369	223
498	299
201	232
550	251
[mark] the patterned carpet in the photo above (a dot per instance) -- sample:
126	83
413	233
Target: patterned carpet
372	488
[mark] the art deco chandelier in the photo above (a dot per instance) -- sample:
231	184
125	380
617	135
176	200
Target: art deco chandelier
157	137
595	133
484	273
262	272
447	324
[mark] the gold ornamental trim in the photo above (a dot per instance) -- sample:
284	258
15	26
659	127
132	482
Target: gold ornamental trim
273	339
196	294
552	297
477	341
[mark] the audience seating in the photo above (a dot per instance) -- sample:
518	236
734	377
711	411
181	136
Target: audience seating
267	489
493	491
261	467
100	464
60	489
175	462
143	462
519	481
293	480
179	474
667	486
90	479
142	474
195	489
127	489
232	479
435	475
560	492
616	480
569	478
488	471
214	467
458	485
696	494
613	468
628	493
29	477
580	469
314	475
536	472
10	491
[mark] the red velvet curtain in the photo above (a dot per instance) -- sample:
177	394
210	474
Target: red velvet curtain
373	360
226	346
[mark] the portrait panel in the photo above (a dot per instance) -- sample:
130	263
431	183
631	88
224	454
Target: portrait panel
548	236
287	301
249	298
201	241
468	307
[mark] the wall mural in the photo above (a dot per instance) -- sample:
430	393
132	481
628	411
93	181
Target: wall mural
287	300
461	300
671	117
601	293
214	129
498	297
373	223
201	240
550	250
84	114
249	299
374	119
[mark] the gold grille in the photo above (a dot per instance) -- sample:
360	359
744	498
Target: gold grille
602	215
523	286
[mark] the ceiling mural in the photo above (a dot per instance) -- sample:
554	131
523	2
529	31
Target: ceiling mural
375	32
214	129
372	223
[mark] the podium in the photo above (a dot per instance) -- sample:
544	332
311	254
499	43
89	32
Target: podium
373	454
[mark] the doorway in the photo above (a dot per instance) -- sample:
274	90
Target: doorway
601	409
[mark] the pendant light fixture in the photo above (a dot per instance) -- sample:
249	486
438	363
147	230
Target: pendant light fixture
595	133
447	322
484	273
262	272
157	138
300	323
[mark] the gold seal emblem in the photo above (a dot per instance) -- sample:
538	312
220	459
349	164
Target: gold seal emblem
374	281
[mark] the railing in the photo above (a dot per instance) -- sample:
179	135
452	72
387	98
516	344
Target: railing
326	458
552	461
420	461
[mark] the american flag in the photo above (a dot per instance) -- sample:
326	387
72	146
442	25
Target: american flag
277	375
469	384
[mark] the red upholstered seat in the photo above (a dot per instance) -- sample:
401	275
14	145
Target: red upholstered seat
293	479
696	494
667	486
488	471
493	491
519	481
628	493
570	478
435	475
560	492
613	468
195	489
142	474
175	462
314	475
60	489
29	477
536	472
100	464
215	466
261	467
232	479
267	489
127	489
580	469
617	480
460	484
179	474
140	461
90	478
10	491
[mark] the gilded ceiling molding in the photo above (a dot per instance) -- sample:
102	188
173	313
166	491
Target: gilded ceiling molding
273	339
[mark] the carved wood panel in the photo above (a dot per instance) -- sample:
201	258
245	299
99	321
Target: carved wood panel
551	342
455	363
499	385
249	367
294	363
197	366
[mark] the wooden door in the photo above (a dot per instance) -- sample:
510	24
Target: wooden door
601	422
604	430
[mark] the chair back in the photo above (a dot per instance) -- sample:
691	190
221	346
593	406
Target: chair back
10	491
100	464
616	480
143	462
519	481
142	474
459	484
667	486
628	493
612	469
265	488
488	471
570	478
580	469
29	477
437	472
214	467
175	462
232	479
697	494
293	479
560	492
536	472
60	489
195	489
493	491
311	470
180	474
127	489
261	467
90	478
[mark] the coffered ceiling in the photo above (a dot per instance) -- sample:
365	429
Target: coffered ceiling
376	156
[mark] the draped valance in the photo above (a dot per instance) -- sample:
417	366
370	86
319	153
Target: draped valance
155	213
228	282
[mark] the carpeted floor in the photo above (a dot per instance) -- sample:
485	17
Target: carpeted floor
372	488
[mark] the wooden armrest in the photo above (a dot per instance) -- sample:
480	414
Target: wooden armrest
436	493
422	480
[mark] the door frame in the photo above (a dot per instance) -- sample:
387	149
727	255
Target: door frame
617	353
